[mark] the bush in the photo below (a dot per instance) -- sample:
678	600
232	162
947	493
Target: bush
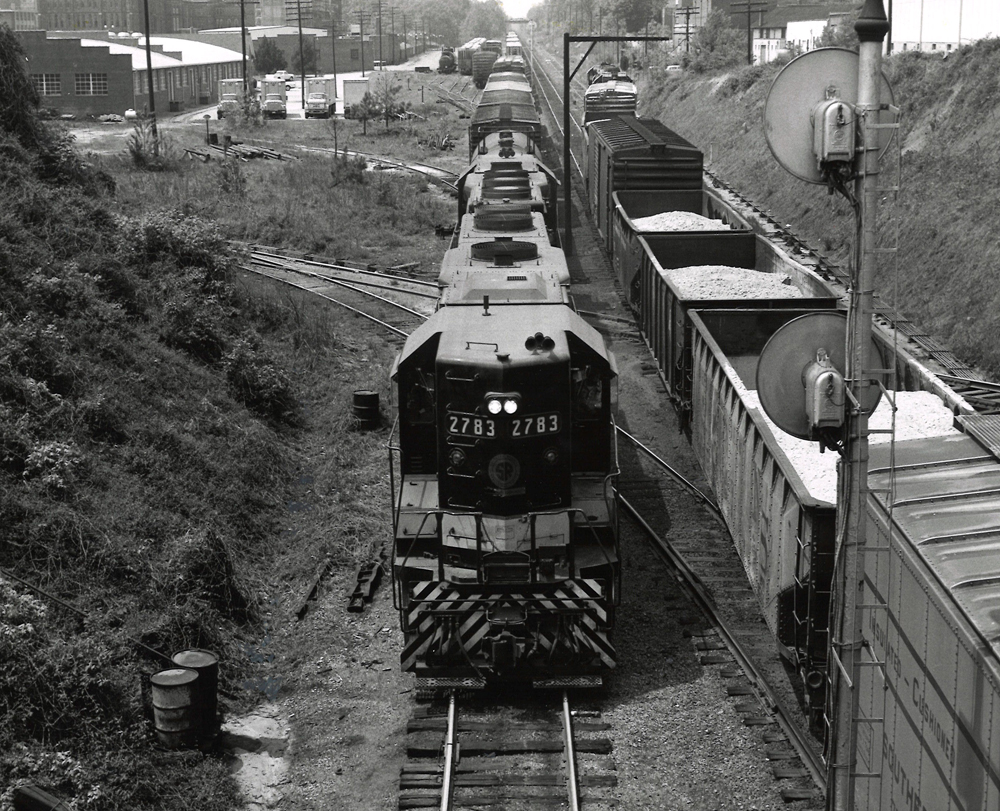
199	567
150	149
259	383
195	328
186	241
232	178
349	169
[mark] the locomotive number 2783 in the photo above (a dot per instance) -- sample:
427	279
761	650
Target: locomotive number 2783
535	426
519	427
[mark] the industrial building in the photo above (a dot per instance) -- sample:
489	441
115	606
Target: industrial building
92	76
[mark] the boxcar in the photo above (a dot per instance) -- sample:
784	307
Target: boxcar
930	697
635	153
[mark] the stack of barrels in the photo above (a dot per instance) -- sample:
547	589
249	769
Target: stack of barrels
185	699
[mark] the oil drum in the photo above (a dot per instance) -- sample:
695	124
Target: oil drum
175	716
366	411
206	701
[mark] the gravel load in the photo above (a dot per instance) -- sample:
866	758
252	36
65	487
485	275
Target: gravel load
919	415
678	221
706	282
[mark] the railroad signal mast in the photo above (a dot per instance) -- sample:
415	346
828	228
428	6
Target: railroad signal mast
828	119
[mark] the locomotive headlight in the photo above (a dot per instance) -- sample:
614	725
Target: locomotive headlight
457	457
506	401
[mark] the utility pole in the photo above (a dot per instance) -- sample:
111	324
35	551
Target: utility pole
405	57
846	632
302	55
687	12
392	28
333	38
149	77
750	6
361	24
381	63
243	43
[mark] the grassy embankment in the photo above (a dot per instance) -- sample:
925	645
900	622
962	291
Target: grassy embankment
175	443
947	277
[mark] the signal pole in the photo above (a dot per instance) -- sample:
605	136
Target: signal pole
846	631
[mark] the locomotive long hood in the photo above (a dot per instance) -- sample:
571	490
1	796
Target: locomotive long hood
501	333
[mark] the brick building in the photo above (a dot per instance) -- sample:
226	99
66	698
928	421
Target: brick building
86	76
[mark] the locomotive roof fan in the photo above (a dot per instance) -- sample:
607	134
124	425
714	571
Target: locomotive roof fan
809	117
800	377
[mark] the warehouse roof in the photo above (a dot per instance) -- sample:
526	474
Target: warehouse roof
168	52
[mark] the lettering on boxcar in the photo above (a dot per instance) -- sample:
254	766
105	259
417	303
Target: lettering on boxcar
905	790
881	636
932	724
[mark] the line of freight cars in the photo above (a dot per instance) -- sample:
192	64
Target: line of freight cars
929	736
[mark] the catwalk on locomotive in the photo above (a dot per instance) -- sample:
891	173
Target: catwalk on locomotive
505	558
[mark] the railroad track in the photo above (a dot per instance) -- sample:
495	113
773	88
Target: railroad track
395	302
442	177
509	752
710	570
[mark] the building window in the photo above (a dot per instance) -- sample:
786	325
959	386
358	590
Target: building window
47	84
91	84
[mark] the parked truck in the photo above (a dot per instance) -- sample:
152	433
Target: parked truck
274	98
321	97
354	91
230	95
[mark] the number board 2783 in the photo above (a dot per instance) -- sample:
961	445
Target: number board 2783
514	427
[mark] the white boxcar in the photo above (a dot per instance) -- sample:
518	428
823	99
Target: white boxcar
932	735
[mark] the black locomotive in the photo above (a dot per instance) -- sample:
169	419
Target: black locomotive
505	555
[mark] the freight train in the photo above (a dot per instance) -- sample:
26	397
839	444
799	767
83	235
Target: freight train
505	558
710	280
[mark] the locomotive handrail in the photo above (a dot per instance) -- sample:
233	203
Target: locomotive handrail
397	596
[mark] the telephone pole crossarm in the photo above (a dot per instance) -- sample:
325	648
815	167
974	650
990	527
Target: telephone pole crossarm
749	6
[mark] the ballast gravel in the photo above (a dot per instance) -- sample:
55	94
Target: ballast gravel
677	221
919	415
708	282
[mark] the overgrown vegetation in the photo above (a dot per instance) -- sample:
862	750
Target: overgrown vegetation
151	410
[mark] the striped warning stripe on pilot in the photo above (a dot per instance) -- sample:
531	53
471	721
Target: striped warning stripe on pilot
467	605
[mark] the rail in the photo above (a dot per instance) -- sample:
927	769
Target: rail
572	782
450	756
395	330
